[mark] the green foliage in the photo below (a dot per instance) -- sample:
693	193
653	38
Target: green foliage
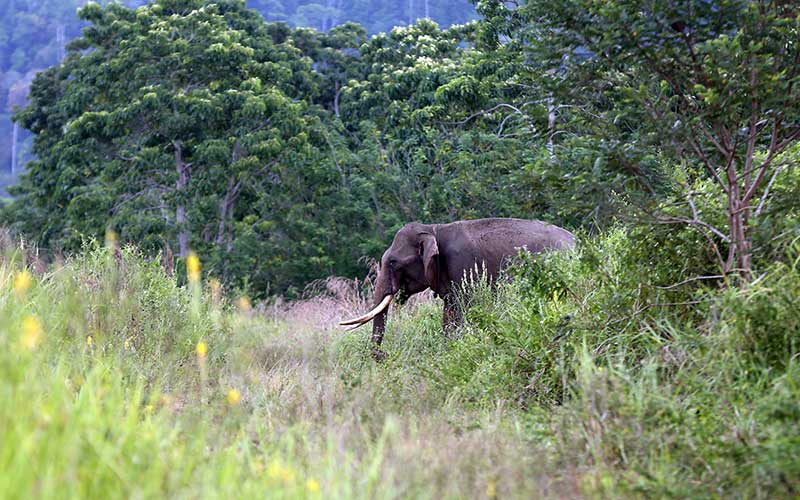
764	323
285	155
34	36
209	142
589	367
648	388
106	395
710	85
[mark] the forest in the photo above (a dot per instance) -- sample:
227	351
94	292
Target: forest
209	185
34	35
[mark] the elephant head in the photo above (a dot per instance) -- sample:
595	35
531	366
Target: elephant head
409	266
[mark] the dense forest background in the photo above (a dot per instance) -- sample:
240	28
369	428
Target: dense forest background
34	35
283	154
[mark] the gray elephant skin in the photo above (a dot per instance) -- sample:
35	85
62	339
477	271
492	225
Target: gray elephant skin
440	256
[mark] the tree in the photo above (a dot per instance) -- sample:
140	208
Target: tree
209	143
712	84
337	59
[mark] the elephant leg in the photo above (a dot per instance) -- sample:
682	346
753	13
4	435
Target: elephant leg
377	353
451	316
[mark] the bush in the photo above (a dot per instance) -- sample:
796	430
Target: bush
653	397
650	390
582	374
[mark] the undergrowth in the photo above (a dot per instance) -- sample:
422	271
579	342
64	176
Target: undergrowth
638	386
594	373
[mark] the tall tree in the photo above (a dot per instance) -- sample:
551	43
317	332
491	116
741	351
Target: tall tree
712	84
214	112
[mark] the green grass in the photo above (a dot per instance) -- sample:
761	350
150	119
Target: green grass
135	411
576	379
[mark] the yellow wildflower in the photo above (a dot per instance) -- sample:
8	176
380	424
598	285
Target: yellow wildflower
193	267
89	341
111	239
312	486
279	472
31	332
216	290
127	344
274	470
234	397
491	489
22	282
202	350
244	304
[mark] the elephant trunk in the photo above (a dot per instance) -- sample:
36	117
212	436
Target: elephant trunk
384	294
383	288
378	327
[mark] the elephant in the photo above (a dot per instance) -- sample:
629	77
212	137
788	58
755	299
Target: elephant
441	256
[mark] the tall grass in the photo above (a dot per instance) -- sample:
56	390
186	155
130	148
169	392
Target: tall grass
107	394
641	387
587	374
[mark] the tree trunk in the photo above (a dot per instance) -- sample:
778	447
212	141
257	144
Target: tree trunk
551	128
224	208
745	250
180	211
225	228
229	201
739	252
336	98
61	42
14	140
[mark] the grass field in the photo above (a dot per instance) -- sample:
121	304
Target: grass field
118	382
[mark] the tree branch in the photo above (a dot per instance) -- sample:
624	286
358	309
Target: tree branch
699	151
774	149
695	222
766	191
696	278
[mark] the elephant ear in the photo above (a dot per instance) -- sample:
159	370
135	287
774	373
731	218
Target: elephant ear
430	258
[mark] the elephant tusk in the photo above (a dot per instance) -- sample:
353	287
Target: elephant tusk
356	322
351	327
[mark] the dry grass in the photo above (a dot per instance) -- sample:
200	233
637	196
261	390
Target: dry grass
312	399
411	443
107	394
394	433
17	249
328	301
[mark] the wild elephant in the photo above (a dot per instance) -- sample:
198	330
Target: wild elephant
440	256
